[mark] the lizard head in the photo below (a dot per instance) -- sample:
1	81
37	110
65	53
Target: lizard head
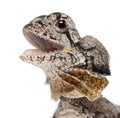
51	33
75	66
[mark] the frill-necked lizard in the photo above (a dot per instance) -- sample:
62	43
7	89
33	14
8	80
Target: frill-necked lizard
75	67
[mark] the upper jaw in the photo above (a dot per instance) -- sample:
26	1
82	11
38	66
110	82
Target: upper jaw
42	43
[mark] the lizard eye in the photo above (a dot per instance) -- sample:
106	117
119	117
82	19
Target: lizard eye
61	24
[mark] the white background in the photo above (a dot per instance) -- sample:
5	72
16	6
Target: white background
23	93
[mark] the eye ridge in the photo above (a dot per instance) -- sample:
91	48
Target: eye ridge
61	24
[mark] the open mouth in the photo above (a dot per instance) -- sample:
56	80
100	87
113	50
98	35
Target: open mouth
43	45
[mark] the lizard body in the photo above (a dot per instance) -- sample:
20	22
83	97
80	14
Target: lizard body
75	67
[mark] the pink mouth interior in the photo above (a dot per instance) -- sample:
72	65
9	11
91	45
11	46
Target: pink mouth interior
34	52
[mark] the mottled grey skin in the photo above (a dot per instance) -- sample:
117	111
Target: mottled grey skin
60	50
83	108
88	49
